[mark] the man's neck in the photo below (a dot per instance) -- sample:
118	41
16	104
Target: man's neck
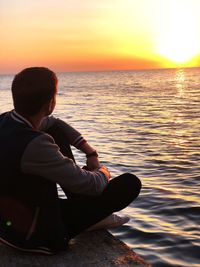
35	120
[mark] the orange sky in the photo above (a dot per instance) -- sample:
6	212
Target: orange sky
77	35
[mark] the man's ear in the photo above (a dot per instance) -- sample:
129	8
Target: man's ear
50	105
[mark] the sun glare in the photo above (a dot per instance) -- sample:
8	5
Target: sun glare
178	35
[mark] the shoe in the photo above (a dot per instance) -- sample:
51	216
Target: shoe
111	221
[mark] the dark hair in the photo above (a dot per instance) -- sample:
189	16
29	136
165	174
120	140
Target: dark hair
32	88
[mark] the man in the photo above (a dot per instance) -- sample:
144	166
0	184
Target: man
35	156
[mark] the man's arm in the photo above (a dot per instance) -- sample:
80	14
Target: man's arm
74	138
42	157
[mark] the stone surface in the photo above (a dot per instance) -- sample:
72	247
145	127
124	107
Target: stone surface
97	248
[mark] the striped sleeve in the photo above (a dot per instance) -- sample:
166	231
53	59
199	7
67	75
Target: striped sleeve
79	141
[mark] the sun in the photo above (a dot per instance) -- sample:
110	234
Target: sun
178	47
178	34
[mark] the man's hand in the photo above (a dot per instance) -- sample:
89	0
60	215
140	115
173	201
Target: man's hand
93	163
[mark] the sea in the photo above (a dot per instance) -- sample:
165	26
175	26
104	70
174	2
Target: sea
147	123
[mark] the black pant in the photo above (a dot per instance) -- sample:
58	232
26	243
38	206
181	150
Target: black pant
80	211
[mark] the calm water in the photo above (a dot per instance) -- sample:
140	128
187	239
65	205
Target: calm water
147	123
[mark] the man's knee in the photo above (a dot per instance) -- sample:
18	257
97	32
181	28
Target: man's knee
128	189
133	183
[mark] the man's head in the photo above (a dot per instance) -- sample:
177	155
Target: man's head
34	89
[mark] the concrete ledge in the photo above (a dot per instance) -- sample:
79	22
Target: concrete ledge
97	248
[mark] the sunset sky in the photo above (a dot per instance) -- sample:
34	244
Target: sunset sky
84	35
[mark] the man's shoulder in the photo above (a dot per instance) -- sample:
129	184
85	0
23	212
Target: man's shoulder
43	138
41	150
42	143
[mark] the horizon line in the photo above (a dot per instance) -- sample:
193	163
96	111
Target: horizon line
108	70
